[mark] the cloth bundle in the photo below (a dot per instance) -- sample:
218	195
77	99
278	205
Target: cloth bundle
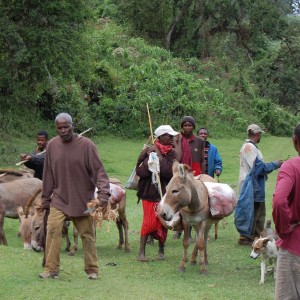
222	199
116	192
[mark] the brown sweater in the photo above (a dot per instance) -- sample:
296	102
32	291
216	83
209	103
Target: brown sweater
71	173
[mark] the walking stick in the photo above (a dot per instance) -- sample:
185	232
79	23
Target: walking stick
151	131
150	123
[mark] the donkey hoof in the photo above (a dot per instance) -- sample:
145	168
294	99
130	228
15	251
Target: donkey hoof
127	250
119	247
71	253
193	263
181	269
203	272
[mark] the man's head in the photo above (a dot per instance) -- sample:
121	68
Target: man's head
42	139
64	126
296	138
202	133
188	124
165	134
254	133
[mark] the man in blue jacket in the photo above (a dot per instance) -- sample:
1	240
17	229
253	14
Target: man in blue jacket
250	212
213	160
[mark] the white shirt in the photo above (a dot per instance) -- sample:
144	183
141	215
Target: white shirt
248	153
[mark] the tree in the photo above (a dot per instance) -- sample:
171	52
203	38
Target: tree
190	26
41	46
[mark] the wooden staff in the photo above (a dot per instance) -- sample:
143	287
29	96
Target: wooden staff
150	123
24	161
151	131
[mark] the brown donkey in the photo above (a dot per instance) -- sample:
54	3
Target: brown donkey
188	196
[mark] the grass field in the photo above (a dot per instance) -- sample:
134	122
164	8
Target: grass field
232	273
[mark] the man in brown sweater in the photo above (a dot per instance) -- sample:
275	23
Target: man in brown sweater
72	171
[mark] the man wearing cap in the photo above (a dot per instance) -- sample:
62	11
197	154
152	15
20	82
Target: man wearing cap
250	212
150	193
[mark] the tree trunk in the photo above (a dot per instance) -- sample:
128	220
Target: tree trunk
176	20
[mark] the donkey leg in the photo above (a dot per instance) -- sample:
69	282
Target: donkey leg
185	243
201	243
216	229
65	234
195	250
207	229
3	240
74	248
125	226
120	230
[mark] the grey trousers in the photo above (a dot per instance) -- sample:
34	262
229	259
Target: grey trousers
287	276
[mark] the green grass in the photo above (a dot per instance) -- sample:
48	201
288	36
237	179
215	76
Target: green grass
232	273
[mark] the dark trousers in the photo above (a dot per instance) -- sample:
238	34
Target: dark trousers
259	218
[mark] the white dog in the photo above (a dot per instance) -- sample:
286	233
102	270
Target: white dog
265	247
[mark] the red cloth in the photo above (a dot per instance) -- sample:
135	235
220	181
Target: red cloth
186	150
196	168
151	224
164	149
187	155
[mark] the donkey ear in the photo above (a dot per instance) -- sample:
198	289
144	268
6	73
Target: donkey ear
20	210
181	172
175	166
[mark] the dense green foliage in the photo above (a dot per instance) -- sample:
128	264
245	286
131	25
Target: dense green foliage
227	63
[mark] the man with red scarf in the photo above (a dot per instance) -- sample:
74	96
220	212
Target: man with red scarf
149	192
190	151
190	148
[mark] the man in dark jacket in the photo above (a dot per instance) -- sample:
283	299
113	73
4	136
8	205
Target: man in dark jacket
35	160
151	190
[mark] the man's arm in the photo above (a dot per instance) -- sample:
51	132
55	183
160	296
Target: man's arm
217	163
98	173
281	211
38	159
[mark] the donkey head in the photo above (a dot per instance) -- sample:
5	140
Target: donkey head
37	228
178	192
25	226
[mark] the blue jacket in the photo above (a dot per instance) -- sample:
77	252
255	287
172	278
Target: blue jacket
214	160
253	190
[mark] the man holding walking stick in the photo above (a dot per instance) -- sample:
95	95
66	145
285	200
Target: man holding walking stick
152	185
